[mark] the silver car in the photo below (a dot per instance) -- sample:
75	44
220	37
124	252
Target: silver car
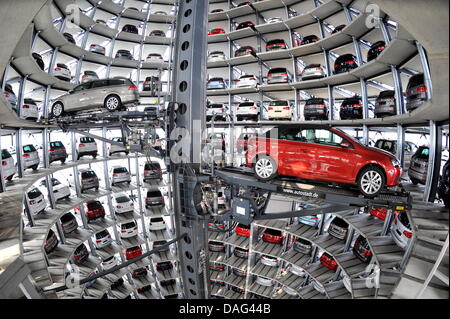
112	94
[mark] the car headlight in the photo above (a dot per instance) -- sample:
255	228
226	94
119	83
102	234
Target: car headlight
395	162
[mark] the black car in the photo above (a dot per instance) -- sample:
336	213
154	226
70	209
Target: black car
69	223
418	167
416	92
51	242
124	54
361	249
345	63
240	252
239	272
246	24
69	37
444	186
37	57
245	50
338	28
338	228
309	39
118	283
57	152
167	282
216	246
157	33
276	44
351	108
160	243
375	50
153	84
302	246
165	265
130	29
139	272
385	104
144	289
315	109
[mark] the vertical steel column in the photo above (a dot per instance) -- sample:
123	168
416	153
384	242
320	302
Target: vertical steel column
2	179
365	102
400	144
399	102
426	69
434	162
189	95
19	153
330	102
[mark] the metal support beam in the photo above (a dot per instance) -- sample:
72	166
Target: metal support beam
434	162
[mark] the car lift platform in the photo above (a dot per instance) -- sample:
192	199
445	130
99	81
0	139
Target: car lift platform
398	200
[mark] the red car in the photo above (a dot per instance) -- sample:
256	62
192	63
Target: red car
273	236
133	252
216	31
328	261
242	230
318	152
379	213
93	209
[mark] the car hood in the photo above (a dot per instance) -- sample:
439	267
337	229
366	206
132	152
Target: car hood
380	151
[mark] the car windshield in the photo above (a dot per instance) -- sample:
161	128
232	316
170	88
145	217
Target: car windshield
94	205
56	145
276	41
87	140
128	225
120	170
157	220
103	233
55	182
152	166
91	73
315	101
29	148
423	152
273	232
215	106
386	94
277	70
245	104
88	174
67	218
29	101
403	217
278	103
5	154
154	194
122	199
416	80
34	193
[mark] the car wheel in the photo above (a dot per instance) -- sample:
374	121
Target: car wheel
57	109
265	168
34	167
112	103
371	181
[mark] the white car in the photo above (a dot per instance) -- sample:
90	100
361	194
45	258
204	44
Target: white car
87	146
401	229
279	110
248	110
216	56
290	291
8	168
29	110
274	20
296	270
248	80
318	286
62	72
265	281
102	239
36	201
9	95
109	263
313	71
60	191
89	76
154	57
221	199
117	148
128	229
270	261
30	157
96	48
157	223
120	174
370	278
215	108
122	204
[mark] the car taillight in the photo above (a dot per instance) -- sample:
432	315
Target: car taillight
252	79
269	75
284	74
221	82
270	108
82	145
319	69
32	202
25	106
46	243
55	191
57	69
52	150
351	62
357	105
98	241
336	65
158	172
408	234
123	231
115	175
422	89
286	108
146	172
84	76
4	163
132	88
253	108
93	45
25	155
5	94
314	218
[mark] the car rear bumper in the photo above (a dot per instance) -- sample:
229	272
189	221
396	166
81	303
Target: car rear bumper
419	175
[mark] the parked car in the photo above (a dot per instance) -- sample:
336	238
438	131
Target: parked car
160	13
418	167
444	185
109	263
338	28
248	110
152	171
130	28
296	270
153	84
159	243
361	249
279	110
157	223
103	239
313	71
273	236
322	141
328	261
216	267
57	152
30	157
401	229
302	246
409	149
8	168
416	92
315	109
124	54
351	108
97	48
345	63
112	94
87	146
242	141
89	180
36	201
167	282
263	281
128	229
38	58
216	83
60	191
154	198
309	39
29	110
89	76
240	252
318	286
379	213
216	31
385	104
80	254
278	75
216	246
10	96
245	50
157	33
164	266
120	174
62	72
215	108
93	210
51	242
154	57
290	291
338	228
246	24
375	50
247	80
133	252
113	148
242	230
139	273
270	261
274	20
216	56
276	44
118	283
122	203
311	220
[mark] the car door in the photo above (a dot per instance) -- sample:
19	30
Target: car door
98	92
79	97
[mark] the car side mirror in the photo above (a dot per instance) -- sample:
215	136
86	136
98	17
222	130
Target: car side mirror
346	144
